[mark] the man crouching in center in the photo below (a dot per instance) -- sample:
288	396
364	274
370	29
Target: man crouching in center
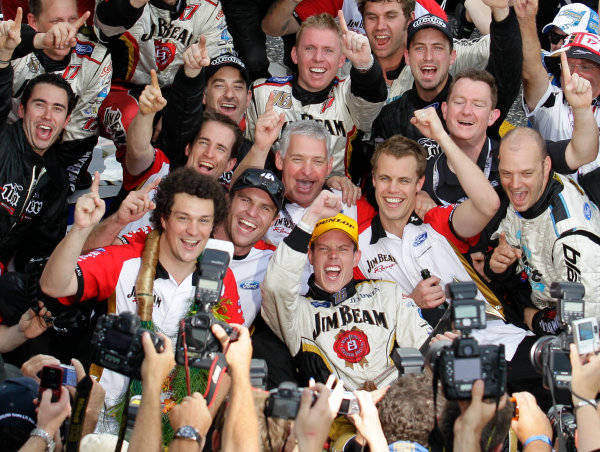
341	326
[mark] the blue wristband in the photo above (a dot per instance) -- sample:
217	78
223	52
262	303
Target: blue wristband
538	438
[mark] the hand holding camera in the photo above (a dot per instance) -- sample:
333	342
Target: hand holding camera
476	413
367	422
313	420
237	348
585	379
156	365
51	415
532	420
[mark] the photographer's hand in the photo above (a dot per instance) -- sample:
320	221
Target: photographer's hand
191	411
532	422
585	382
313	422
50	415
95	402
34	365
240	431
476	413
147	430
367	422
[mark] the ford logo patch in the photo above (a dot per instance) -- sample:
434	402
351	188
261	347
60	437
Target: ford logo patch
420	239
249	285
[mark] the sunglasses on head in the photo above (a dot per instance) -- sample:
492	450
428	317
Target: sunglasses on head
274	187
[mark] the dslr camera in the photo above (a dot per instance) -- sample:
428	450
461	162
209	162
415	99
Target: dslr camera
284	402
464	361
197	346
550	354
118	343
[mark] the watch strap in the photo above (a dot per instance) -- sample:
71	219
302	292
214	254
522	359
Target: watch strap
45	436
189	432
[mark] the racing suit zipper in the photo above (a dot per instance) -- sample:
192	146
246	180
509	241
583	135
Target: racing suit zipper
32	186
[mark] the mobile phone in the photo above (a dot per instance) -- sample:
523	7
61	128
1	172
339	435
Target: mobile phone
52	377
69	375
585	333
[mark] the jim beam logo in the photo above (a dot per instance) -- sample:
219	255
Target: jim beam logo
352	346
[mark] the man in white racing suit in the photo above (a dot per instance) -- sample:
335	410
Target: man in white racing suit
344	106
551	229
143	35
341	326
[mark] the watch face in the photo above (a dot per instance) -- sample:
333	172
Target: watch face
188	432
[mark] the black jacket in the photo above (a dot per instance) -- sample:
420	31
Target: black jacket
33	190
504	63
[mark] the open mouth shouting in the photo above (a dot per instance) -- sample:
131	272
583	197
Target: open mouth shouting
246	225
332	272
205	167
381	40
228	108
518	197
428	71
43	131
190	245
305	186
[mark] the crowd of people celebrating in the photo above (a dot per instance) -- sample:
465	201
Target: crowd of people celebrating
350	192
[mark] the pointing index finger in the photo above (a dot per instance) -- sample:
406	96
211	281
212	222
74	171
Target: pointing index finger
18	19
151	186
270	101
564	65
154	79
79	22
342	20
95	183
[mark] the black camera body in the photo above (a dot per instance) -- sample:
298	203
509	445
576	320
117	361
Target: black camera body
118	343
284	402
550	354
465	361
197	340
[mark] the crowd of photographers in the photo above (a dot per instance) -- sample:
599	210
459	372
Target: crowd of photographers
347	257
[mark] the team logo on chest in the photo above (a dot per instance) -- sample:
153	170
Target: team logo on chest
164	53
352	346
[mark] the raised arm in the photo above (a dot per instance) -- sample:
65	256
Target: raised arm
182	116
58	278
61	35
133	207
583	147
10	37
268	128
279	20
140	152
471	216
535	77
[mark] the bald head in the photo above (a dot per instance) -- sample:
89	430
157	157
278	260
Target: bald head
523	139
524	167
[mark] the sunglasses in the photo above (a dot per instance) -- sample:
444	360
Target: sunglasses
256	178
555	38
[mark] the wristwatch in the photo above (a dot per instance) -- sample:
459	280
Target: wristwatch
189	432
45	436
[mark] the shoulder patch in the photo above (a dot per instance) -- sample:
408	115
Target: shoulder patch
420	239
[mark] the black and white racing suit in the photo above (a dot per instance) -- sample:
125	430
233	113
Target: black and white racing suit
350	333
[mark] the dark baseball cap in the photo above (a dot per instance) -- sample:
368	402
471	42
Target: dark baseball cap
227	59
16	403
265	180
429	21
